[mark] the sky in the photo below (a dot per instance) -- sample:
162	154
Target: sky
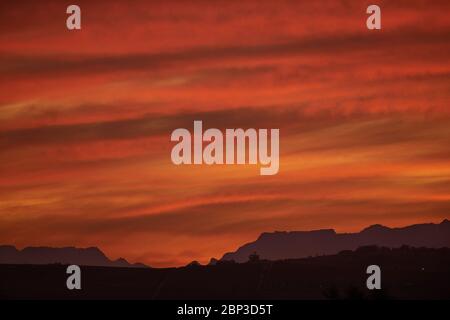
86	118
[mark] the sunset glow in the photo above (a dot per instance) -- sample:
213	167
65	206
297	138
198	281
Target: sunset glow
86	118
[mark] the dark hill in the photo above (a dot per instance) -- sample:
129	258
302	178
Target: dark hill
406	273
67	255
298	244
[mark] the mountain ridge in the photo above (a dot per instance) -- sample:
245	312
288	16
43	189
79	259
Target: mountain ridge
91	256
280	245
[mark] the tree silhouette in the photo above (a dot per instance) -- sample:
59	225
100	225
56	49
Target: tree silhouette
254	257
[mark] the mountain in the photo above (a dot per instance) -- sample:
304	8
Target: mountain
407	273
67	255
297	244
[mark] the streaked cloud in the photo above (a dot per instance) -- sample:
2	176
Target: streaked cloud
85	121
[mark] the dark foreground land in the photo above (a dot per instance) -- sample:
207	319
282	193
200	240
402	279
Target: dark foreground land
406	273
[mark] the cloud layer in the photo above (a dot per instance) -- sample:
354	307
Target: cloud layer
86	117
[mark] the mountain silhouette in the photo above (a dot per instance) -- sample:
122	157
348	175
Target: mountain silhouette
68	255
407	273
298	244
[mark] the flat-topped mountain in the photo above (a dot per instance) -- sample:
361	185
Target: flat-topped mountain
297	244
68	255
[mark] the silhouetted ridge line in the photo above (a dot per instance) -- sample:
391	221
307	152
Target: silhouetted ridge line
91	256
280	245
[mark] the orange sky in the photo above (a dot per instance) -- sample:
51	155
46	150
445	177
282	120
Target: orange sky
86	118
